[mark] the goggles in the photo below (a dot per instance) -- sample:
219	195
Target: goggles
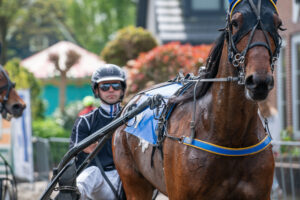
105	86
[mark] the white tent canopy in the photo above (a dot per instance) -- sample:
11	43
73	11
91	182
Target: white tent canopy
42	68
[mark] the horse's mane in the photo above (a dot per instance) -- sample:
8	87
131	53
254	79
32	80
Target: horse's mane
212	67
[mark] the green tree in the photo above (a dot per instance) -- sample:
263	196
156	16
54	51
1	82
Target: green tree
26	80
127	45
94	22
38	27
9	12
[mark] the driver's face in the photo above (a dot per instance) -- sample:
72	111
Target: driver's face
110	91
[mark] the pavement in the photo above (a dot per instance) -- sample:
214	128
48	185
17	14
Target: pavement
33	191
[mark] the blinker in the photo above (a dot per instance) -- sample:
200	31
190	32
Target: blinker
266	17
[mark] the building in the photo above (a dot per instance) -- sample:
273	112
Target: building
78	84
187	21
288	72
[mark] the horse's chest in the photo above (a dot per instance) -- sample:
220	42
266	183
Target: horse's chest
231	177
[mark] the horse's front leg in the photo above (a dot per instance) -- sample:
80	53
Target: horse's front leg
135	185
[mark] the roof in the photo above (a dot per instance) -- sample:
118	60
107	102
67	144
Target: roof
42	68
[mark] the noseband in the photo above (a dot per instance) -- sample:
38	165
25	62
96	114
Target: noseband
8	87
237	58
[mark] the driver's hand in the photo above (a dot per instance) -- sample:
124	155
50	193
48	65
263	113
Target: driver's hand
90	148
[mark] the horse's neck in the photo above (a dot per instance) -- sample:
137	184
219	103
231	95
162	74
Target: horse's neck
235	115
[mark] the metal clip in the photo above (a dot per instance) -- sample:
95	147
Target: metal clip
241	80
202	71
236	60
274	63
242	60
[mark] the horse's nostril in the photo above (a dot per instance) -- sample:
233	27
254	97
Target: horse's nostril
256	81
249	82
17	108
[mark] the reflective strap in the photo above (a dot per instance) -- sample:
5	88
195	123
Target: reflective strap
238	1
225	151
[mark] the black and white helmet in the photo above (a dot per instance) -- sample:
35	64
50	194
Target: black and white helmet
108	72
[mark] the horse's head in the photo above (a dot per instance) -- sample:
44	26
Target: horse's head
10	102
254	44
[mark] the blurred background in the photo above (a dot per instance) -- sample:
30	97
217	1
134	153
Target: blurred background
51	48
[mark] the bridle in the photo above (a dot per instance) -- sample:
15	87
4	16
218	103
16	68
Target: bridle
7	87
237	58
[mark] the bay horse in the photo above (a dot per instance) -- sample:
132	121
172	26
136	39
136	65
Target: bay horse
11	104
226	115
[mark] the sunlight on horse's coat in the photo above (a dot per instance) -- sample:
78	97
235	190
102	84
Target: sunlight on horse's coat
144	144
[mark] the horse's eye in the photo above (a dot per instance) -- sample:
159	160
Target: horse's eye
278	23
280	26
235	24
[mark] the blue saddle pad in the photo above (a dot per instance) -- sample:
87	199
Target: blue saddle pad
144	124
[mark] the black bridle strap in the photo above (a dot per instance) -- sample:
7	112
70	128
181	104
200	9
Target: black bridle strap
254	44
250	40
237	58
257	11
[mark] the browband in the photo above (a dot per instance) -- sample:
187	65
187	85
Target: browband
234	3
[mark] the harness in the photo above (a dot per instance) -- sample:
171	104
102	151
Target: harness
8	87
162	131
237	59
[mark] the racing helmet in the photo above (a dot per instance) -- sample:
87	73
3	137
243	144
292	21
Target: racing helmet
108	72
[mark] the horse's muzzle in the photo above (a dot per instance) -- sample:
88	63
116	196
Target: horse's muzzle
17	109
259	85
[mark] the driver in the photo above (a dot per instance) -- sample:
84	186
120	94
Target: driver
108	84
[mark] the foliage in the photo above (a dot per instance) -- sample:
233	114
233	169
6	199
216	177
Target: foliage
61	123
67	119
48	128
287	135
94	22
9	13
127	45
164	62
39	25
26	80
57	151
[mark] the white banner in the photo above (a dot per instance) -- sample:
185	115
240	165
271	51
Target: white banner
22	145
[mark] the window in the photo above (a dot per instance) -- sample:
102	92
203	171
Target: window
296	10
296	84
281	88
200	8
